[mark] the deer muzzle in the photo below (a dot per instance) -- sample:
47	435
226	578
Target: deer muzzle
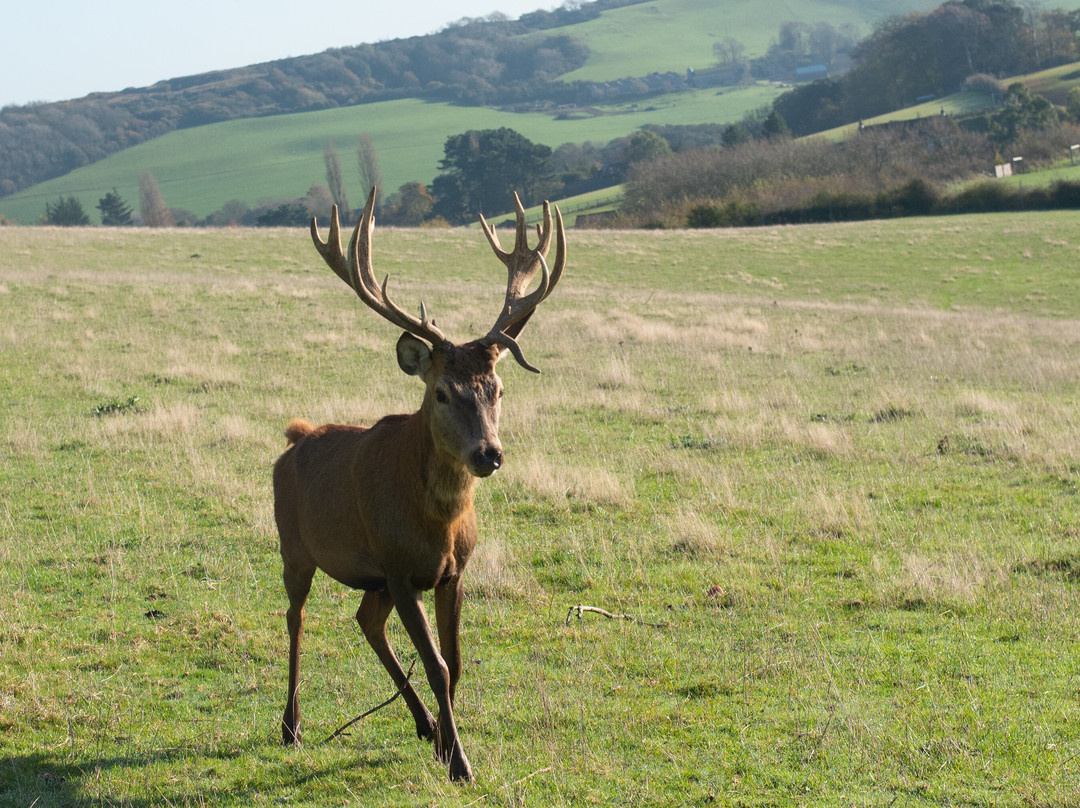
486	460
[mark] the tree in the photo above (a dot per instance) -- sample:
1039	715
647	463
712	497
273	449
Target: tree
286	214
483	168
1072	104
370	175
67	212
152	204
115	212
776	126
646	146
1022	110
729	51
334	180
736	134
409	207
318	201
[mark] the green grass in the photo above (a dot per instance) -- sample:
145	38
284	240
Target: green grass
955	105
1055	82
265	159
837	462
672	35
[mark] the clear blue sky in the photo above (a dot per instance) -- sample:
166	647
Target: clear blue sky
64	49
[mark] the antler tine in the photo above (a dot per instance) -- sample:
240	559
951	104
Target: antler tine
522	264
357	271
330	250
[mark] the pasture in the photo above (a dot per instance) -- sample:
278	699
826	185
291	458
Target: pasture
259	160
833	472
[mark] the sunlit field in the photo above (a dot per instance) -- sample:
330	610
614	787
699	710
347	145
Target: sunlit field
831	474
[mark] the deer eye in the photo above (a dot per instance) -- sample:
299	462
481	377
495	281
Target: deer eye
441	397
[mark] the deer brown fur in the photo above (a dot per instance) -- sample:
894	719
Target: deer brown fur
389	509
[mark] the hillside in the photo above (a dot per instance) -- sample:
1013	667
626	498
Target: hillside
564	58
672	35
281	157
585	75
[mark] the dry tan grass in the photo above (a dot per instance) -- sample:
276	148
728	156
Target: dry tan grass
951	579
495	574
541	476
693	534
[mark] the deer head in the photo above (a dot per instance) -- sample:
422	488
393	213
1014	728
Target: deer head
461	402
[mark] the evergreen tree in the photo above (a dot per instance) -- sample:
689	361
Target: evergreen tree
483	168
776	126
67	212
115	212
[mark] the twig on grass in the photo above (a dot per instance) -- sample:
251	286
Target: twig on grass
377	707
580	609
508	785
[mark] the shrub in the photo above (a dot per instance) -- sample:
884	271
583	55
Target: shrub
983	197
915	198
1065	194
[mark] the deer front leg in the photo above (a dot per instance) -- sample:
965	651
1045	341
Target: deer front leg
448	601
409	603
375	607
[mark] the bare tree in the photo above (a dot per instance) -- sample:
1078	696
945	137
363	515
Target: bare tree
155	213
729	50
334	180
370	175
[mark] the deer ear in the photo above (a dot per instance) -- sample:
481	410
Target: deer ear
413	355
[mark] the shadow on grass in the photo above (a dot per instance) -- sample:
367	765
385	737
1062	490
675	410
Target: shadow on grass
44	779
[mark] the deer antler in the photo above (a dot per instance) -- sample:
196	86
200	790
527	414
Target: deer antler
356	270
522	265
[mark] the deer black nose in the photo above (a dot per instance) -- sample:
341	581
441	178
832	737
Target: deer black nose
486	461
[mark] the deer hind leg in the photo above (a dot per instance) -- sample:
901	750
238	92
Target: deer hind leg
375	608
410	607
297	585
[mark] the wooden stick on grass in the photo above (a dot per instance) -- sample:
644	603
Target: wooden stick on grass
580	609
377	707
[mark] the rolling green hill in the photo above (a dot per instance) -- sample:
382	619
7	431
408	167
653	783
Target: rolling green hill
264	159
274	158
672	35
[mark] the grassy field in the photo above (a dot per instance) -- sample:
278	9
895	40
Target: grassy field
265	159
672	35
833	469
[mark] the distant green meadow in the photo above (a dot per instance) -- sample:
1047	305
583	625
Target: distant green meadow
671	35
269	160
265	159
829	475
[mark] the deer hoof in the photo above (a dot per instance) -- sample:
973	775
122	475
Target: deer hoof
460	770
426	731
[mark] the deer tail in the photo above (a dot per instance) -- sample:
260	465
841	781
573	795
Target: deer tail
297	430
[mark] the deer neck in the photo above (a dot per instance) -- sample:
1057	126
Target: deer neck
447	487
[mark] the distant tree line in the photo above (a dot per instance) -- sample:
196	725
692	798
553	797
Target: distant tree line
750	172
895	169
474	61
917	56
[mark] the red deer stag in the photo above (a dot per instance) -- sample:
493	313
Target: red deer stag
389	509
